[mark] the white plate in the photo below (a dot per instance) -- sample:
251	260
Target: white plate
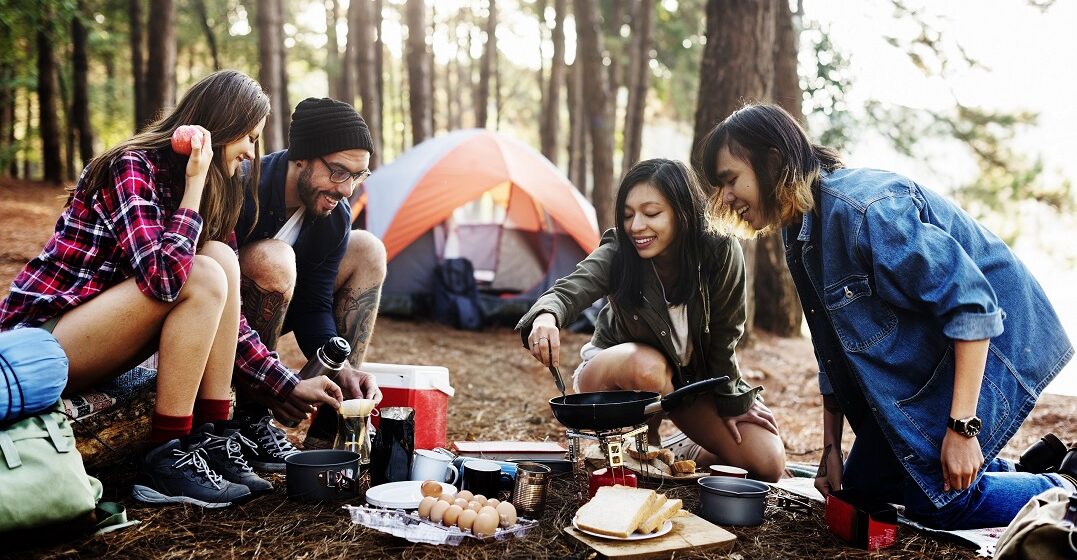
405	494
666	527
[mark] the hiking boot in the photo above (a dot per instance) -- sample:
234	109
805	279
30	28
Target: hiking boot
1044	456
170	475
224	453
683	448
271	445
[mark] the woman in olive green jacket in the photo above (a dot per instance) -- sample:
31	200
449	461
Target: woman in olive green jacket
675	314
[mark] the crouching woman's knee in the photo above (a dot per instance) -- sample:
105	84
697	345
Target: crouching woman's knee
224	256
767	461
207	282
270	264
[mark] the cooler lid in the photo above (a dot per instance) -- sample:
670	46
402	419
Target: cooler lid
402	376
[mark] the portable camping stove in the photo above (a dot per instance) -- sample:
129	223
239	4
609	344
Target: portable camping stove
612	442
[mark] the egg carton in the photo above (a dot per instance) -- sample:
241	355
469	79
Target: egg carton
409	526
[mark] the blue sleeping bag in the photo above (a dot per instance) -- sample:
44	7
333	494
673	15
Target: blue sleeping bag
33	372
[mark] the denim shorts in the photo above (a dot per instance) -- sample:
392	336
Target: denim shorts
587	353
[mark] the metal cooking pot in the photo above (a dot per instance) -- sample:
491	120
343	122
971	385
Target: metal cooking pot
324	474
732	501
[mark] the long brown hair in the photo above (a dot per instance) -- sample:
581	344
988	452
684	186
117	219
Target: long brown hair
787	165
227	103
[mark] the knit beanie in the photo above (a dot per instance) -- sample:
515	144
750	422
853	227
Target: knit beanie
325	126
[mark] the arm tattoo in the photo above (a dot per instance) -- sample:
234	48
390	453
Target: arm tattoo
264	310
823	462
355	311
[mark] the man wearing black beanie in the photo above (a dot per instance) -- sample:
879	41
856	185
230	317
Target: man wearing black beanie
304	270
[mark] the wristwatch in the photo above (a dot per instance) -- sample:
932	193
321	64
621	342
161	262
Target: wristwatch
967	427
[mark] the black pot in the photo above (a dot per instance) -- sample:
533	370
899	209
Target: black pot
324	474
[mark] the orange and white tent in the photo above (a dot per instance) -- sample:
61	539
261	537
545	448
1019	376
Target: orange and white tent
484	196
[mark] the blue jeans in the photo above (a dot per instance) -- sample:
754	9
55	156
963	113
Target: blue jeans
993	500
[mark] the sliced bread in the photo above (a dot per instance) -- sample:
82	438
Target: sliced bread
616	511
664	513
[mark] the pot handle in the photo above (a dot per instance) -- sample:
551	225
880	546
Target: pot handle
341	480
675	399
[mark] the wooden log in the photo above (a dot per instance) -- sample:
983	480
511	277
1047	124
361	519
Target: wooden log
122	432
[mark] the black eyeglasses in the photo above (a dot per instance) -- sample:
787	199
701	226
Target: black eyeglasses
337	175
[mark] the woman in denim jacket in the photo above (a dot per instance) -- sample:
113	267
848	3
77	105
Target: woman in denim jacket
675	314
917	314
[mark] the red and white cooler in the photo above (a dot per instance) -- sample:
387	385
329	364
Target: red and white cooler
423	388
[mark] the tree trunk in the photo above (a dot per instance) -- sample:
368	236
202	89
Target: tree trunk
336	74
482	94
283	107
80	104
418	73
596	109
348	79
361	29
777	303
615	52
67	124
639	73
7	120
551	111
161	64
270	51
577	145
49	126
379	63
737	66
138	63
27	165
211	38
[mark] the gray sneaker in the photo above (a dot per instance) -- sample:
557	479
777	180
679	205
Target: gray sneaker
224	453
271	445
170	475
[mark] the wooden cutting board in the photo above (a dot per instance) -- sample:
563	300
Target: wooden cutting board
690	532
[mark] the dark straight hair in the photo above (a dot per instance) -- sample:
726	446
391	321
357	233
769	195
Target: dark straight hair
679	186
786	163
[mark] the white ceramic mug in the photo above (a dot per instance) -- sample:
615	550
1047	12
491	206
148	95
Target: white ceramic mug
431	465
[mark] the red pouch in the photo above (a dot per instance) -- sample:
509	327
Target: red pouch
861	524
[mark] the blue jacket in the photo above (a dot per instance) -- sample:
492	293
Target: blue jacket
318	252
890	274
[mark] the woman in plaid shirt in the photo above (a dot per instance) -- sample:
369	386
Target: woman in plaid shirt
140	261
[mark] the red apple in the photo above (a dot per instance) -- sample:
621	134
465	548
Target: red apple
181	138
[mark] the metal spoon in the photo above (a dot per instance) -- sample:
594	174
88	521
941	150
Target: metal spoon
553	369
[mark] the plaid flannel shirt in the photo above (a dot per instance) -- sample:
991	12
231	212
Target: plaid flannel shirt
129	229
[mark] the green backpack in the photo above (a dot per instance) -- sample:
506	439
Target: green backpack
42	478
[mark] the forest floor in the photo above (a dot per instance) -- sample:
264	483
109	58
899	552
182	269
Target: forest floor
501	393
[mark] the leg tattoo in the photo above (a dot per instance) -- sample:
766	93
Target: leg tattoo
355	313
264	311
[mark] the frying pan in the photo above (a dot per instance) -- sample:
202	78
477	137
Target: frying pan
608	410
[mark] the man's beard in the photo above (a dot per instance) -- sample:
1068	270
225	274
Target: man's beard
308	195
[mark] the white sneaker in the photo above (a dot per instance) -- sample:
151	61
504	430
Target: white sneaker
682	447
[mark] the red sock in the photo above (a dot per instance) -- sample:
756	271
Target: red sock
165	428
211	410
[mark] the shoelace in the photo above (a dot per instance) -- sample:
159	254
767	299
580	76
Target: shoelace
274	440
197	460
233	448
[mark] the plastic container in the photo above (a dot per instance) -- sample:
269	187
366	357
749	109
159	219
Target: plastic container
423	388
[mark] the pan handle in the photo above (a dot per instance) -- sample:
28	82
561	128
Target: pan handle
676	398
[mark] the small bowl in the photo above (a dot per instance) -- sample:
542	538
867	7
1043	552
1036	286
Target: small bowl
727	470
732	501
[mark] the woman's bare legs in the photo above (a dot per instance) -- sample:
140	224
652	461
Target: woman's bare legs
640	367
217	381
117	328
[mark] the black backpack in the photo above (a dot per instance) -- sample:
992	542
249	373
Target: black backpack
456	296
